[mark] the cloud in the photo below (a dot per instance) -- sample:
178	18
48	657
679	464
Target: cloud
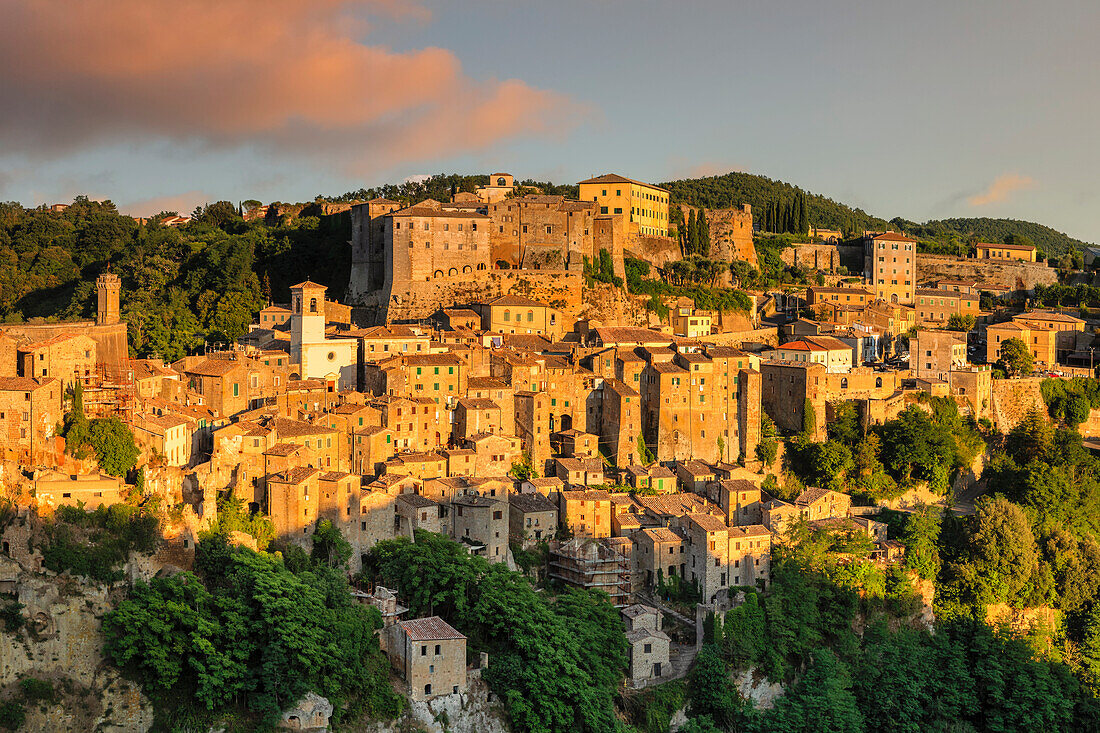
1001	188
284	76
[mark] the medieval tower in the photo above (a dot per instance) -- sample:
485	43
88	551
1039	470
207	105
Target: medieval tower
107	286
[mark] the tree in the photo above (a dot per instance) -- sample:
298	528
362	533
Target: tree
1004	551
690	235
114	445
1016	358
921	537
809	420
961	322
329	545
822	700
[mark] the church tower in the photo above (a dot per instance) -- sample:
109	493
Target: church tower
108	285
307	317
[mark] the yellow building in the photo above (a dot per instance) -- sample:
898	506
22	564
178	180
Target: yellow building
691	324
514	314
643	208
1024	252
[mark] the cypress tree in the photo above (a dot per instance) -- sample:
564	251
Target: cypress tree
689	244
702	235
803	215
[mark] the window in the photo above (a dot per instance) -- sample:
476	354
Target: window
438	650
427	688
423	650
648	648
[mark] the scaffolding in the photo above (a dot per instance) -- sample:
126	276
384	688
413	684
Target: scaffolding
592	564
108	392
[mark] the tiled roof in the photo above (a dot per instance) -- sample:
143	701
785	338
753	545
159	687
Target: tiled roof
294	476
894	237
616	178
214	367
526	503
431	628
516	300
23	384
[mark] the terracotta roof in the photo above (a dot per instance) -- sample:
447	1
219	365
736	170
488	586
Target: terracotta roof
478	403
308	284
526	503
431	628
616	178
287	428
416	500
811	495
894	237
23	384
1018	247
214	367
294	475
706	522
662	534
431	212
638	635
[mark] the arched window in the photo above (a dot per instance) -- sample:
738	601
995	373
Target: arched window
452	271
530	316
507	315
501	181
297	304
439	273
844	382
878	381
481	266
312	305
466	268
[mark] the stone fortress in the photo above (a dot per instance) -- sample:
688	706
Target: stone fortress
410	261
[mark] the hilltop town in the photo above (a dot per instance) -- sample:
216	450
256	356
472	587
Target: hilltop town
664	406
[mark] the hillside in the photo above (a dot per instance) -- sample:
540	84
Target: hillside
746	188
984	229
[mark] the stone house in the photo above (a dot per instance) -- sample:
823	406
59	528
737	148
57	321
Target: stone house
586	513
639	616
30	409
430	655
484	521
532	518
90	490
414	512
649	656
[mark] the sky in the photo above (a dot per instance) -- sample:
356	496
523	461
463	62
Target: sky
922	110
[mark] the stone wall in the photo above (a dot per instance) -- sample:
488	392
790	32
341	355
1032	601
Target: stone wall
731	234
1013	398
812	256
62	641
657	251
418	300
1011	275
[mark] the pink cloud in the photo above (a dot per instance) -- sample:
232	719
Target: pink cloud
286	75
1001	188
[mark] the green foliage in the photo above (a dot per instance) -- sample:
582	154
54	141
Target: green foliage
12	715
809	420
253	633
35	690
554	662
652	709
329	545
921	538
1016	358
602	270
233	516
180	285
96	544
711	693
919	446
716	192
692	277
11	613
984	229
961	322
110	438
1070	400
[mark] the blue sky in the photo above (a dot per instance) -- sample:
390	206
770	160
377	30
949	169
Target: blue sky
921	110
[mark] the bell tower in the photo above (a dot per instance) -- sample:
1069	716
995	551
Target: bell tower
307	317
108	285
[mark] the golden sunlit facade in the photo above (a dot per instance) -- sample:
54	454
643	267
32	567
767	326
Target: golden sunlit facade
643	208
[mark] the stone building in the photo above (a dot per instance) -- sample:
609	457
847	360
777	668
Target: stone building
703	405
30	409
586	513
592	564
67	357
430	655
1024	252
91	491
731	234
318	356
538	232
368	246
718	556
1049	336
514	314
934	354
532	518
890	266
642	207
484	521
639	616
649	656
937	306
